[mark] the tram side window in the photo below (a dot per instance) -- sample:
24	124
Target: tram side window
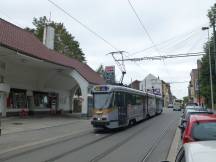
128	99
119	99
138	100
133	99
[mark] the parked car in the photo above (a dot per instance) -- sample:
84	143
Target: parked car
186	117
170	106
177	108
192	104
200	128
203	151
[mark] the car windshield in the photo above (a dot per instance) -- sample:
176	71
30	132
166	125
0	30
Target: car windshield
102	100
204	131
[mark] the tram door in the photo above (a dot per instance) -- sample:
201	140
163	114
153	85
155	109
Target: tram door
122	110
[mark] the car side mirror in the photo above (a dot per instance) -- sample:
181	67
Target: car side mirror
181	127
184	120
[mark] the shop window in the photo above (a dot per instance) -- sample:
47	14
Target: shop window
17	99
45	100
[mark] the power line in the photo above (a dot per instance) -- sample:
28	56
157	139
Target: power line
165	56
178	82
83	25
147	33
163	42
143	26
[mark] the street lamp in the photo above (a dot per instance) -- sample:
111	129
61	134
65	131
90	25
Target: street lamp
210	69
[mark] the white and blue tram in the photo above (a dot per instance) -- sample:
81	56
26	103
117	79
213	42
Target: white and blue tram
119	106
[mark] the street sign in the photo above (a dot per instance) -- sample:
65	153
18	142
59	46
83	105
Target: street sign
110	74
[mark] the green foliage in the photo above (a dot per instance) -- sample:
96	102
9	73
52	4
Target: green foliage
64	42
211	14
101	71
204	71
185	100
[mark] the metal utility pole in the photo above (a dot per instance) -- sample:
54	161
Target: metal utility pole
210	69
120	63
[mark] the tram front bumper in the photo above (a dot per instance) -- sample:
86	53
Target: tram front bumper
100	123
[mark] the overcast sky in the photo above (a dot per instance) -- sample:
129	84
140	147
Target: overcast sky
175	25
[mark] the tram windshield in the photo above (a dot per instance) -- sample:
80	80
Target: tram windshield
102	100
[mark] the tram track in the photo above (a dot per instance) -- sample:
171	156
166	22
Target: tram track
155	143
115	139
136	133
108	151
116	146
43	146
78	148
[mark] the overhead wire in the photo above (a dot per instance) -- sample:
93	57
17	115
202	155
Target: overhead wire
147	33
87	28
184	42
159	44
143	26
164	56
83	25
196	42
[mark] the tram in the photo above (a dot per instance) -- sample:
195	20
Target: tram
119	106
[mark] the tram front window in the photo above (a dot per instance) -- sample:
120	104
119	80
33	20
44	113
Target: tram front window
102	100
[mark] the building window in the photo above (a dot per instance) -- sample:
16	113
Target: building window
17	98
45	100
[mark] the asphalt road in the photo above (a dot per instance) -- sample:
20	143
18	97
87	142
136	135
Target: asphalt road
148	141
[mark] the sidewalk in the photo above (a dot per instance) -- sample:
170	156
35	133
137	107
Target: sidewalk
17	124
20	133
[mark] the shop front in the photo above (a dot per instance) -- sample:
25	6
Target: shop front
40	80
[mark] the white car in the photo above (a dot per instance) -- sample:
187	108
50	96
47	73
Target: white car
203	151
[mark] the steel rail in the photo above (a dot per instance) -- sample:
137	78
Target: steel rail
63	140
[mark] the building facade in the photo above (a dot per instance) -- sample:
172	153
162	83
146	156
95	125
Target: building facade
166	93
135	85
151	84
39	80
193	87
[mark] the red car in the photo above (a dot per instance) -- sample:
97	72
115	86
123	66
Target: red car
200	128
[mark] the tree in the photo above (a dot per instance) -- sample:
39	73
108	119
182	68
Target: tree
64	42
101	71
185	100
205	89
204	71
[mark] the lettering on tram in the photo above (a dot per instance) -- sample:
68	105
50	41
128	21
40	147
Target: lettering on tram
119	106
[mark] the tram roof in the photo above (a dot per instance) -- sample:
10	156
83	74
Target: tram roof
126	89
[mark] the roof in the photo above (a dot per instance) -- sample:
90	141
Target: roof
125	89
150	76
200	151
203	117
18	39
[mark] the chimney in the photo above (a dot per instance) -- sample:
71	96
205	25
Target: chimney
48	36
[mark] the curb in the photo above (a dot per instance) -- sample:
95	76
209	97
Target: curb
174	146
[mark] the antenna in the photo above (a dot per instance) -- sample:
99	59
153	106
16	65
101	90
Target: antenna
120	63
